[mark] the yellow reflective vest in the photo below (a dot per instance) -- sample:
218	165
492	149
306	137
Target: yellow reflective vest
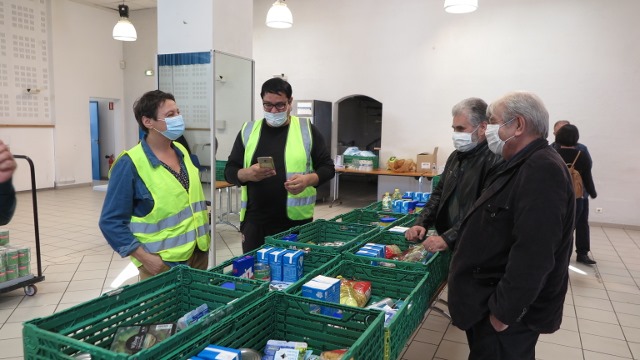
297	156
177	223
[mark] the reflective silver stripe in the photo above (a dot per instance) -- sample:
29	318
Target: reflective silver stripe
186	213
243	204
247	132
168	243
301	201
306	140
290	174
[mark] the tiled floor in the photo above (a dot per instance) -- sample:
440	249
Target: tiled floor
602	311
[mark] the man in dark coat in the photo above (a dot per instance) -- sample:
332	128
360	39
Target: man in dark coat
465	174
509	274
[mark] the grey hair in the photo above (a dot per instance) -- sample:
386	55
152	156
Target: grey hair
527	105
474	108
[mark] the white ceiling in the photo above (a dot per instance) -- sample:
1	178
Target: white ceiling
113	4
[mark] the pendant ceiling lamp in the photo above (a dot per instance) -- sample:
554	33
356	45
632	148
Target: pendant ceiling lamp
460	6
279	16
124	30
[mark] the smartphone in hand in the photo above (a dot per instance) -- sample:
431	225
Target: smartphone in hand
266	162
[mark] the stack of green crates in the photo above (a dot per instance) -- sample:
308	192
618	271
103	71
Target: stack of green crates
220	165
314	234
89	328
397	284
281	316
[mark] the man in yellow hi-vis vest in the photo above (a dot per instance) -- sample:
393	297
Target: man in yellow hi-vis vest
155	210
277	198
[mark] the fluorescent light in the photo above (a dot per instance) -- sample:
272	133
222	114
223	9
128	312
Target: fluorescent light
279	16
124	30
460	6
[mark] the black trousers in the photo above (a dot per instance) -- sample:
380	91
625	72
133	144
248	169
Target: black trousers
518	342
253	233
583	236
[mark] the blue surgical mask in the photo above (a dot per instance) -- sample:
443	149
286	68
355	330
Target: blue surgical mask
175	127
275	119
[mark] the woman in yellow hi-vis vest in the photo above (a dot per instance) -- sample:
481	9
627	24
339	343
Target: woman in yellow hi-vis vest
276	199
155	210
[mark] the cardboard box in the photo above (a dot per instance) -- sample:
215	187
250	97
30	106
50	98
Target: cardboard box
427	161
214	352
243	267
323	288
262	255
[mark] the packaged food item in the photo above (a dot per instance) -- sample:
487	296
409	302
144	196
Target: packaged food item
354	293
243	267
386	221
322	288
333	354
4	236
131	339
215	352
262	271
262	255
292	265
192	316
391	251
275	262
273	346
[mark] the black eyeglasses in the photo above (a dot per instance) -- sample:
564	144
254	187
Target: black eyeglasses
279	106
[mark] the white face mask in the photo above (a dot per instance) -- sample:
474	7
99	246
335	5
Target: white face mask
275	119
463	141
493	138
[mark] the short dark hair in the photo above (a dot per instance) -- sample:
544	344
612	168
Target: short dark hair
276	86
567	135
148	104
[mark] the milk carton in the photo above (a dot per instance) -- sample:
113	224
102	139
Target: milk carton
368	253
275	262
292	265
380	248
262	255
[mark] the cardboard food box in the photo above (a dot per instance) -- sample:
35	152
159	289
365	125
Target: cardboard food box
292	265
427	161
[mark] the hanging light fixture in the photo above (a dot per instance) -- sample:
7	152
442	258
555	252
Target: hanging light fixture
460	6
279	16
124	30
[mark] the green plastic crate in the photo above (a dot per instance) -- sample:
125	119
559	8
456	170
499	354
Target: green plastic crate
220	165
314	234
349	159
437	265
397	284
313	260
281	316
369	217
90	327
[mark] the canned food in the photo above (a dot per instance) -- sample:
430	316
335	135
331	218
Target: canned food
386	221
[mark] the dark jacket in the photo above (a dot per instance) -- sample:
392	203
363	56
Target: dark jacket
465	175
7	201
512	256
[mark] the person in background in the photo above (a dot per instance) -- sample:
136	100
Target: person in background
155	210
275	200
7	192
567	141
556	127
467	171
509	274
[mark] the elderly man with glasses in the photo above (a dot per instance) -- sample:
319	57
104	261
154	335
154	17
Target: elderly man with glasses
509	274
279	192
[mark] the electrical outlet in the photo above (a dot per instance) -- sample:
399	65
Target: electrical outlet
598	210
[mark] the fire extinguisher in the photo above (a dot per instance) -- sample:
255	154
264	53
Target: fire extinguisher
111	160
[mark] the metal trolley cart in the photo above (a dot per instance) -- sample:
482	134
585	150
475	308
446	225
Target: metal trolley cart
28	281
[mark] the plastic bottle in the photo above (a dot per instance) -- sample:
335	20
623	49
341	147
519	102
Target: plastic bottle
386	202
396	195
